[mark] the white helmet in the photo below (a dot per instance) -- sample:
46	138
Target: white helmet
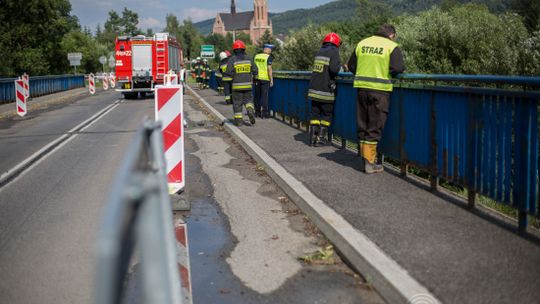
222	55
204	60
194	61
198	58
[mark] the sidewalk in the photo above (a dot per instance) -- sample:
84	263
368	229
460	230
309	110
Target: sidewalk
8	109
458	255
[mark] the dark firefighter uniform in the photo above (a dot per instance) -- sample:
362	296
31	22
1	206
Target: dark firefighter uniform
322	88
373	63
207	72
199	72
242	70
226	80
263	82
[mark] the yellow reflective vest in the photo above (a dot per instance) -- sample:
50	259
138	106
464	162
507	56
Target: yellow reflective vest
373	64
261	60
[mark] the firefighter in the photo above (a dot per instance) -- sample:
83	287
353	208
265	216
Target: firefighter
193	64
219	74
322	88
199	72
264	82
227	81
207	71
373	63
242	70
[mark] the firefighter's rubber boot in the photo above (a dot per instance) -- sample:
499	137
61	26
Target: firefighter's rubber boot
370	168
314	135
323	136
238	122
369	155
251	115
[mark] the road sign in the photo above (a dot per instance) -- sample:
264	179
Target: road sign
74	59
102	59
207	51
112	62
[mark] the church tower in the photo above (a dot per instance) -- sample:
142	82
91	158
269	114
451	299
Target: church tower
260	22
233	7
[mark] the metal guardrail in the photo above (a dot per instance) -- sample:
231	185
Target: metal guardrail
138	218
41	85
481	138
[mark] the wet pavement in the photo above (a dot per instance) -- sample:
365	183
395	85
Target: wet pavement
245	241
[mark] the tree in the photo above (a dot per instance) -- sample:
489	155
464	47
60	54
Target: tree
129	22
30	36
77	41
530	10
467	39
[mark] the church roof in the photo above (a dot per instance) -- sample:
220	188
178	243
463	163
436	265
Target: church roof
238	21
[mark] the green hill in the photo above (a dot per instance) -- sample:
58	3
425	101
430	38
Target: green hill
347	9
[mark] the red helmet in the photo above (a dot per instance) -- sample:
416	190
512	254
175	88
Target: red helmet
333	38
228	53
238	44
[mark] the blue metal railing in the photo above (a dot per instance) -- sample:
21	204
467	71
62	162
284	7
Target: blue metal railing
41	85
484	139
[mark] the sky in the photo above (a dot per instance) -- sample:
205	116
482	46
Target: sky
152	12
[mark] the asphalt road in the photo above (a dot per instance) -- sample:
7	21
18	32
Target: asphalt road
49	216
21	137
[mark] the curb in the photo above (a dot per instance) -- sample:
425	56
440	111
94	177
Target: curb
392	281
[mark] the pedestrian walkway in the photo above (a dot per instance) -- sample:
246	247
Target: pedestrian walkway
459	255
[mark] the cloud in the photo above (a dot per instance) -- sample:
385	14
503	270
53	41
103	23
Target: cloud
150	22
198	14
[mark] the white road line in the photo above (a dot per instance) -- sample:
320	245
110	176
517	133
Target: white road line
41	154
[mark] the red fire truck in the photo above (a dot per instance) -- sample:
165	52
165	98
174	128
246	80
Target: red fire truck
142	62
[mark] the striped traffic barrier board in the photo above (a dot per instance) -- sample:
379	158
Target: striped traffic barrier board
112	80
20	97
105	81
26	80
91	84
168	109
182	258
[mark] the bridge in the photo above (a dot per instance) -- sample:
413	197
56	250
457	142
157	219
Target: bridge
453	219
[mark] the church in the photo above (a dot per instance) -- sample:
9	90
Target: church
254	23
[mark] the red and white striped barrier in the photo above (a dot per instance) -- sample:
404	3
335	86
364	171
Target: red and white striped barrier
26	80
171	79
91	84
182	258
112	80
169	103
105	82
20	97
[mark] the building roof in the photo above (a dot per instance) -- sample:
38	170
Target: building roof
238	21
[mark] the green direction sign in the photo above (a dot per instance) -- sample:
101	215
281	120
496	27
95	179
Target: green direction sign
207	51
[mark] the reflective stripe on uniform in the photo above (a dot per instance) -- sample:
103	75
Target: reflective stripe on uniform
314	122
250	106
321	95
325	123
367	142
371	79
241	85
238	115
227	97
227	79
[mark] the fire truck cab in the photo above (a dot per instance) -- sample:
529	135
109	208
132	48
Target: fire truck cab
142	62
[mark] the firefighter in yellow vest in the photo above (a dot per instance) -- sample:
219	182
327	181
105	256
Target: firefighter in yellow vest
373	63
264	82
